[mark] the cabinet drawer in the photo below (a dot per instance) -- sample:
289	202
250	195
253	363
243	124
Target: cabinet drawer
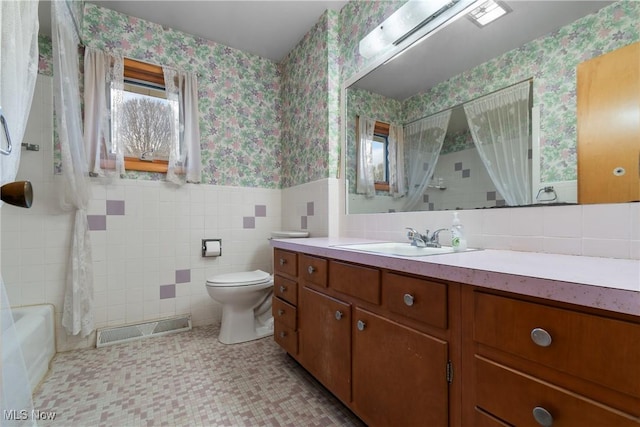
313	270
286	337
418	299
355	280
285	289
285	262
598	349
284	313
512	396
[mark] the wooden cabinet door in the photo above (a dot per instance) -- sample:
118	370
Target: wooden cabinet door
399	374
608	94
324	328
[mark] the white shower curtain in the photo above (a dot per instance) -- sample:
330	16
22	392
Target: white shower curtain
500	124
423	142
77	313
364	179
18	72
184	160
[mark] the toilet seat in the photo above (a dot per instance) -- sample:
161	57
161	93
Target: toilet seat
245	278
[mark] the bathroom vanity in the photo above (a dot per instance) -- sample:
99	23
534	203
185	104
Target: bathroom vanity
486	338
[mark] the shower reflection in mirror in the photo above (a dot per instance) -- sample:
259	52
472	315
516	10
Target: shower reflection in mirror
481	150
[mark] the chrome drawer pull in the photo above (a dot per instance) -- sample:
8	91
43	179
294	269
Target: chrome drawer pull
283	261
283	334
541	337
361	325
311	269
282	289
542	416
339	315
408	299
280	312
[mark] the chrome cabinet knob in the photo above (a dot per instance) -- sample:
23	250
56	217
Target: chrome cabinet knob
282	289
283	261
283	334
361	325
311	269
280	312
408	299
541	337
542	416
339	315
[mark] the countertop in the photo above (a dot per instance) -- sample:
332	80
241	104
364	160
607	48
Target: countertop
604	283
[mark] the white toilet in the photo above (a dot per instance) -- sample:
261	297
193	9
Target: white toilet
246	301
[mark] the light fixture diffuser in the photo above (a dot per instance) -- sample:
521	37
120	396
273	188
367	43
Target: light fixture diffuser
488	12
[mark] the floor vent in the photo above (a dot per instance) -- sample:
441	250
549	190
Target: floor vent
119	334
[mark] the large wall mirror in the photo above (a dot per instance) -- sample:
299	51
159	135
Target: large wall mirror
526	62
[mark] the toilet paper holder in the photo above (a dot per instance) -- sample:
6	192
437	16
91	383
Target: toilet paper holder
211	247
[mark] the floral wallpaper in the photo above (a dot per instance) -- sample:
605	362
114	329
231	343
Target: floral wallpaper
260	121
239	95
311	105
551	61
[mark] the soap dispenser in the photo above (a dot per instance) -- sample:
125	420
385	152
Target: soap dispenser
458	239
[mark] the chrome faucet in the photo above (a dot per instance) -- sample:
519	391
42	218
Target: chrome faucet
423	240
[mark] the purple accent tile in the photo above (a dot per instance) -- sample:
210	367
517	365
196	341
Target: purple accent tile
431	207
249	222
261	210
466	173
167	291
97	222
392	211
491	195
310	208
115	207
183	276
500	203
425	198
457	166
303	222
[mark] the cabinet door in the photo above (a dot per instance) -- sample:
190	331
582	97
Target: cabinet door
399	374
609	127
325	340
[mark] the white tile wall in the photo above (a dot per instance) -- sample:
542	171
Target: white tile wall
160	232
611	230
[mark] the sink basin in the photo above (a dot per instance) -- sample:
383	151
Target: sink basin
397	248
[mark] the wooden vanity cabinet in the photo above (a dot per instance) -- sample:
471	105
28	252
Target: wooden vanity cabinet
376	339
532	362
285	300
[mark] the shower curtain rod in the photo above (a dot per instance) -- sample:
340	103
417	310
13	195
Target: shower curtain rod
530	79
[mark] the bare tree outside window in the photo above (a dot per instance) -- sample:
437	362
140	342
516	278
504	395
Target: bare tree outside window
146	126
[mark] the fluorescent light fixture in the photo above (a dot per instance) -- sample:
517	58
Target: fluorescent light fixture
488	12
414	15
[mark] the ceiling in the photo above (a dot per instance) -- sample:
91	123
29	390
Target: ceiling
463	45
270	29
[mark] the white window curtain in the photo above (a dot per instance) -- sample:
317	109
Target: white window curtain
395	160
185	164
77	312
103	72
364	178
423	142
18	72
500	125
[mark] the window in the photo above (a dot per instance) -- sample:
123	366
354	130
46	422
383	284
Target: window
380	147
143	119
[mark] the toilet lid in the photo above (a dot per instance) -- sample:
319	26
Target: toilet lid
244	278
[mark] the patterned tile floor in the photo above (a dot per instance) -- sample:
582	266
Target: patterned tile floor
186	379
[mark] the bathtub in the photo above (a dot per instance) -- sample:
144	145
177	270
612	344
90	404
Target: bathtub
35	333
